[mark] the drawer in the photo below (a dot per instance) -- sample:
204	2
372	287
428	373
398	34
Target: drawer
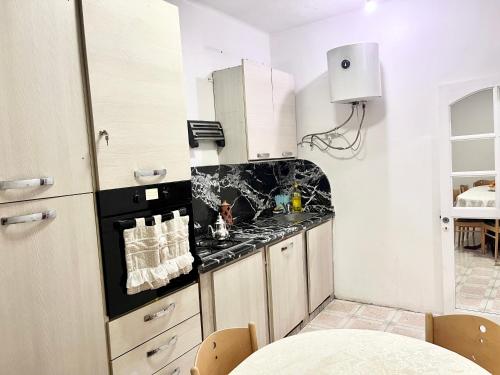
181	366
161	350
139	326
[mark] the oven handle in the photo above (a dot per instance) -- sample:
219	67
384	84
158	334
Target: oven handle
160	313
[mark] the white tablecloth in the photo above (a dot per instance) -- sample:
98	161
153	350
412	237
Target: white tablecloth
478	196
354	352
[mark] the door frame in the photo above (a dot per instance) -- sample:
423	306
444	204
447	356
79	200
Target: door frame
449	94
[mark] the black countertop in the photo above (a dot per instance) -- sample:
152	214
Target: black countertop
257	234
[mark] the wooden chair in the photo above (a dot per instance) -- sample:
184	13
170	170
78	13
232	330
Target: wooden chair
492	230
466	228
223	350
471	336
483	182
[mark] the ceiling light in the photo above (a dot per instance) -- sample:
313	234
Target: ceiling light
370	5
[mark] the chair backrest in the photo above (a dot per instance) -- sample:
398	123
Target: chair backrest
223	350
483	182
463	188
473	337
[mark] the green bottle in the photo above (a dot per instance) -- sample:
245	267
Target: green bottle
296	198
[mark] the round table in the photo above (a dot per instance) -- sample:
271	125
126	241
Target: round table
353	352
478	196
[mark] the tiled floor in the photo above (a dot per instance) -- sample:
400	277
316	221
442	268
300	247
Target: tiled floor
346	314
477	281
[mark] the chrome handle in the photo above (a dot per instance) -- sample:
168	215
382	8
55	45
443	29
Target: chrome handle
177	371
263	155
172	341
49	214
150	172
160	313
21	184
287	153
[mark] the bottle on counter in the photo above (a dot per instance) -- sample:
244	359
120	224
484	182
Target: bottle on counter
296	198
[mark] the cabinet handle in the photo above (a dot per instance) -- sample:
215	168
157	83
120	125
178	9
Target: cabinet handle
177	371
284	248
49	214
263	155
287	153
171	342
21	184
150	172
160	313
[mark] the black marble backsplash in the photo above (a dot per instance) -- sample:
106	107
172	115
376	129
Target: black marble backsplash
250	189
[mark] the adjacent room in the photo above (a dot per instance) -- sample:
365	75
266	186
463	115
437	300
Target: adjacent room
215	187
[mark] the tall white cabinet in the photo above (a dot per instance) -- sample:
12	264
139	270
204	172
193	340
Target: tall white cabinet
256	107
135	75
51	315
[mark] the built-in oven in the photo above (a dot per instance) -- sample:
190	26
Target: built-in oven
117	210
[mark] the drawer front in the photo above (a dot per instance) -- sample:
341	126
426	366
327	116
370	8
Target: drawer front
139	326
161	350
181	366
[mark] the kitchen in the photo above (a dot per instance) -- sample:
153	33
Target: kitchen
158	186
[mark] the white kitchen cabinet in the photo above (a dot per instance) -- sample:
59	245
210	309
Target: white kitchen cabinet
43	113
240	296
51	315
135	76
256	107
319	264
286	270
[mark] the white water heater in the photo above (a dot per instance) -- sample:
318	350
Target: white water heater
354	73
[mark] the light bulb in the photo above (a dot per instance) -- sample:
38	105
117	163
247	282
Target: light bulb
370	5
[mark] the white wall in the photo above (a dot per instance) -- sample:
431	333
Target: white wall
210	41
387	232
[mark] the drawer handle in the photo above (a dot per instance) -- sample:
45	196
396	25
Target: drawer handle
160	313
177	371
172	342
287	153
285	248
150	172
21	184
263	155
49	214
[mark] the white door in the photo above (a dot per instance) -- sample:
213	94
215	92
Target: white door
469	125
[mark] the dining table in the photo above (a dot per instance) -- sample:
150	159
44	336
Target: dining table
477	196
354	352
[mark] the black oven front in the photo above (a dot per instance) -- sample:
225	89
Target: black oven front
117	209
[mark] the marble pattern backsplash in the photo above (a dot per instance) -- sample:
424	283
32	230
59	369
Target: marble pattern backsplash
250	189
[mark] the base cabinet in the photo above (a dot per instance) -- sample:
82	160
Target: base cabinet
287	281
240	296
319	264
51	315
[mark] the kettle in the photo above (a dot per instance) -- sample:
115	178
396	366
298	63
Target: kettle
221	232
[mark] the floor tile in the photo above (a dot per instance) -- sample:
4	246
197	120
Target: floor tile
343	307
359	323
407	331
408	318
328	320
493	306
379	313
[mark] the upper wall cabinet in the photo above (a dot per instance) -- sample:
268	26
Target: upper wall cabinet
136	91
256	106
44	148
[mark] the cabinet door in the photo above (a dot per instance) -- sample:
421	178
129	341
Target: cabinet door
51	313
288	285
240	296
261	130
284	114
42	104
319	264
136	87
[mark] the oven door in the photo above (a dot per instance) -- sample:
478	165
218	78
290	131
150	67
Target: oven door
118	302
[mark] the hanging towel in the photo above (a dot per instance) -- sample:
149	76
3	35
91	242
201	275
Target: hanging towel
174	246
144	268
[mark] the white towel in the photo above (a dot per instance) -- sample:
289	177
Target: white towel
174	246
144	268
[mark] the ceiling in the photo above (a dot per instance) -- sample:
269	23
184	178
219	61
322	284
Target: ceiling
278	15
